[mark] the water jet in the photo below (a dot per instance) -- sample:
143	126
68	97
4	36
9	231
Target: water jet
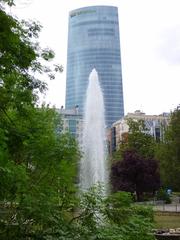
93	165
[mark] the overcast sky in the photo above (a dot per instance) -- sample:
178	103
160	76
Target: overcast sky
150	48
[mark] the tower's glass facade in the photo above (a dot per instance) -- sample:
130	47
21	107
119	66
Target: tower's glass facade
93	42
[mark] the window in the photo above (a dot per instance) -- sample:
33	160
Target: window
93	22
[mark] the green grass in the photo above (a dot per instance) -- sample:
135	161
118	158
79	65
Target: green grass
167	221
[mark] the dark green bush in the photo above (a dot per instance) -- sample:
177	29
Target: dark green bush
163	195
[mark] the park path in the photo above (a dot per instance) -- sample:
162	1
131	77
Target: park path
167	207
172	207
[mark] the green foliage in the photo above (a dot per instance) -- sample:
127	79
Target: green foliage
118	207
163	195
139	140
9	2
168	152
113	217
134	168
38	164
38	174
21	59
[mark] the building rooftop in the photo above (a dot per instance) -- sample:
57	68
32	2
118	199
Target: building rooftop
73	111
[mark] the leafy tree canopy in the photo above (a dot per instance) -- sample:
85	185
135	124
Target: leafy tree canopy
168	152
139	139
135	174
112	217
21	59
38	164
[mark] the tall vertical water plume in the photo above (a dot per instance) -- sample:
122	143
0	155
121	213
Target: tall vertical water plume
93	167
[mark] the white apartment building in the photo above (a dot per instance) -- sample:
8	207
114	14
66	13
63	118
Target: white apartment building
72	122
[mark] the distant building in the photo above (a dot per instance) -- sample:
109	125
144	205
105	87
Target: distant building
72	121
155	125
94	42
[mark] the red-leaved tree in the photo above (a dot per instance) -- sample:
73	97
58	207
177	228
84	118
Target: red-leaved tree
135	174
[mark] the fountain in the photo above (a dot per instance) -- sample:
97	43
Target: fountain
93	167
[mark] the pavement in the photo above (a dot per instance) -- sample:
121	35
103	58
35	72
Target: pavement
167	207
174	206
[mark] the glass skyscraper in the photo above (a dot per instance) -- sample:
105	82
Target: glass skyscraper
93	42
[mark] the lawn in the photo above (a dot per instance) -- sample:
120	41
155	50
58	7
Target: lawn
167	221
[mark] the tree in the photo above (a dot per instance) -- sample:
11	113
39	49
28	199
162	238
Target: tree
135	168
112	217
139	139
38	164
38	173
168	152
135	174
